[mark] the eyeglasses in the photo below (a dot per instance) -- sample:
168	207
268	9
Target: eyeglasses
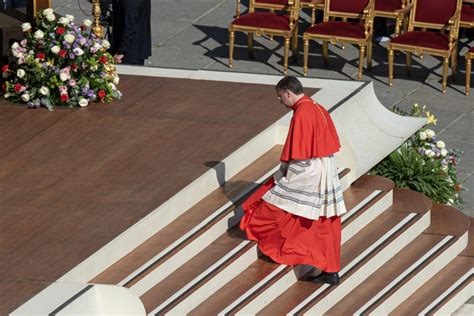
280	96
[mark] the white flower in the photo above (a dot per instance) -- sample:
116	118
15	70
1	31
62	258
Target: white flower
83	102
87	22
24	42
20	73
78	52
25	97
50	17
116	80
48	11
55	49
444	152
422	135
69	17
44	90
64	21
26	27
39	34
69	38
430	153
6	95
64	76
106	44
440	144
15	46
430	133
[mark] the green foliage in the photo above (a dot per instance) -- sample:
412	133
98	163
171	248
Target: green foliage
408	169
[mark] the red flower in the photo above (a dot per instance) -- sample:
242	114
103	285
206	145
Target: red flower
83	27
4	87
60	30
40	56
101	94
103	59
74	66
457	187
5	69
64	97
62	53
18	87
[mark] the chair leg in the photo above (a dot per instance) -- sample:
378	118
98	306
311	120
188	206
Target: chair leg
305	56
390	66
468	75
408	65
285	57
342	44
313	16
294	48
361	61
369	55
445	72
325	53
231	48
250	44
454	62
237	9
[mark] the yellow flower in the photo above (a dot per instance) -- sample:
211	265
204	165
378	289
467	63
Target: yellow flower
430	118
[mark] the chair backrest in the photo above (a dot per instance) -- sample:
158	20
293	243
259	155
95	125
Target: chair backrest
433	14
345	8
389	5
290	6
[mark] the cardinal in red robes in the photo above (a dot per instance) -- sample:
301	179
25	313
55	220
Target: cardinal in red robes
295	216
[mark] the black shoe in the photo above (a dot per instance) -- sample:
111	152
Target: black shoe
325	277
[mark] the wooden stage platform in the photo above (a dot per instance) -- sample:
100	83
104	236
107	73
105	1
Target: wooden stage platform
73	179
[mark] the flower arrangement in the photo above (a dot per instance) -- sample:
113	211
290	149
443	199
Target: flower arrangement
59	63
424	164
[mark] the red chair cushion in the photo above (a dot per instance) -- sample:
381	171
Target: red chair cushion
388	5
350	6
266	20
278	2
423	39
338	28
471	50
467	13
431	11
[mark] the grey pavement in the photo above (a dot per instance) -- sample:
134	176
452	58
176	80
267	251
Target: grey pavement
192	34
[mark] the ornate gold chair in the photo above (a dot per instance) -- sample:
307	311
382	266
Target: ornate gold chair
269	23
344	31
392	9
434	15
313	5
469	56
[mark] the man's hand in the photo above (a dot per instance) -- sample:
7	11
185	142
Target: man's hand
118	58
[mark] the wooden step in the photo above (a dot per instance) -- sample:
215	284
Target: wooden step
360	256
189	277
444	293
416	263
261	275
188	227
211	278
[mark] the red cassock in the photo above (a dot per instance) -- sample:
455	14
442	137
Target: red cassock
284	237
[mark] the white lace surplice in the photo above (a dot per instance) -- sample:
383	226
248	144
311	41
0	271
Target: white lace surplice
308	188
